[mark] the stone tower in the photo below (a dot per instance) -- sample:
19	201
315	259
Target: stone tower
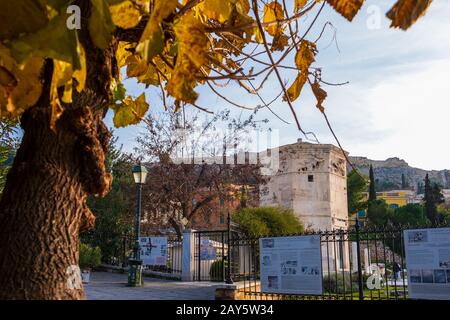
312	181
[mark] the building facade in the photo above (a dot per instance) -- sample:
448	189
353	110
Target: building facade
397	198
312	181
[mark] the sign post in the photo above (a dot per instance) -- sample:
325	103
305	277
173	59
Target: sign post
428	263
291	265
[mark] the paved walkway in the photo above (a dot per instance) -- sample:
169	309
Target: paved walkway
112	286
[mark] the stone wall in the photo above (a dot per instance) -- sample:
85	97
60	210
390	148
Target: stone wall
311	180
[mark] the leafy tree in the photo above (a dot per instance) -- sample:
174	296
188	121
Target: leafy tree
8	146
379	213
420	188
372	195
60	72
268	221
90	257
372	192
432	198
404	182
114	213
412	213
356	186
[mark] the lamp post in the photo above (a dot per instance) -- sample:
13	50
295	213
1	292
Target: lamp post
135	270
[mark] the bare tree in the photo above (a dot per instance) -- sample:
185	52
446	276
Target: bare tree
179	189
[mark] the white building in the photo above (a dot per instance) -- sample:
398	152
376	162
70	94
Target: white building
312	181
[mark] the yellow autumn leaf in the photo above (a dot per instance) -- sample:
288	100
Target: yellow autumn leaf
242	6
161	9
130	111
29	86
150	77
295	89
406	12
279	42
20	85
123	52
305	55
125	15
258	35
67	94
62	74
100	23
136	66
218	10
192	45
299	4
320	95
347	8
272	13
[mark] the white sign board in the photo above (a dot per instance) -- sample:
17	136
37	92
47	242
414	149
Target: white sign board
153	250
207	250
291	265
428	262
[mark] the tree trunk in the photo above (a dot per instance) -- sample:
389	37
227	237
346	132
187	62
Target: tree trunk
177	226
43	206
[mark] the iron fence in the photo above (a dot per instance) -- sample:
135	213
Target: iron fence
119	252
213	252
210	255
357	264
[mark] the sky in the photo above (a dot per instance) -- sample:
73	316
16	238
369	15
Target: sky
396	102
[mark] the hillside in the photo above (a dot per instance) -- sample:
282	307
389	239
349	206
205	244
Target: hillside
388	173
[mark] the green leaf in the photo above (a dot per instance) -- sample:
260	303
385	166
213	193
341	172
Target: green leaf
56	4
119	92
55	41
129	111
151	47
100	25
21	16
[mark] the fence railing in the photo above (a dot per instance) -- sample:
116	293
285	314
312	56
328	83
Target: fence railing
122	250
357	264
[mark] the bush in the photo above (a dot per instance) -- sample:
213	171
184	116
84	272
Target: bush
340	283
268	221
216	270
89	257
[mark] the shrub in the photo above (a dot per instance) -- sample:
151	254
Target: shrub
268	221
89	257
216	270
340	283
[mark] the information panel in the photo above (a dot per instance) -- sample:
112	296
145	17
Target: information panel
153	250
291	265
428	263
207	250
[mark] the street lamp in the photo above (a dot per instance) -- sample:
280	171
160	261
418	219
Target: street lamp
135	270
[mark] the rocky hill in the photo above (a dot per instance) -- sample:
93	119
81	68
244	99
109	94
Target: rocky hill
388	173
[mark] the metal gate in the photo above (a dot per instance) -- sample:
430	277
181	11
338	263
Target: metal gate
214	254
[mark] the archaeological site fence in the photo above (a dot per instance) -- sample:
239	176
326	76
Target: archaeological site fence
361	263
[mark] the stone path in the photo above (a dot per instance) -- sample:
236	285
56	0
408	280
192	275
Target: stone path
112	286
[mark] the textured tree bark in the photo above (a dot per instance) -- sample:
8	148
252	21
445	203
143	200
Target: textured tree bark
42	210
43	206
